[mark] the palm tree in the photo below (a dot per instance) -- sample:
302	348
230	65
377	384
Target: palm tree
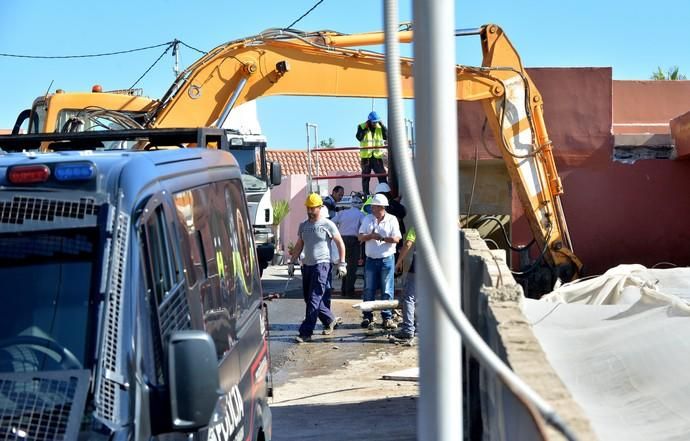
281	208
673	73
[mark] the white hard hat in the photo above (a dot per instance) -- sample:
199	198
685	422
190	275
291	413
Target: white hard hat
382	187
379	199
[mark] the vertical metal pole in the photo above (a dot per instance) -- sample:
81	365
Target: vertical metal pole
316	148
310	171
309	174
440	405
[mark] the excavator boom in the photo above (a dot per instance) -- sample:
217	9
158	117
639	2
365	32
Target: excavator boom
324	64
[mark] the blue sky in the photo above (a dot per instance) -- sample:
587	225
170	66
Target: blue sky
633	37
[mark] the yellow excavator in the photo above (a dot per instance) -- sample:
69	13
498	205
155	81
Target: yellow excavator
327	63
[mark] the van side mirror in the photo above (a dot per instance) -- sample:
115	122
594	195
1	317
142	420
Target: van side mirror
276	176
194	379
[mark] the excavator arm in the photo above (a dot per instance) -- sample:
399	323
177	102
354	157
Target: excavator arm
280	62
517	121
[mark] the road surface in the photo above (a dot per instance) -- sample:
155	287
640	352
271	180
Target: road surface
334	387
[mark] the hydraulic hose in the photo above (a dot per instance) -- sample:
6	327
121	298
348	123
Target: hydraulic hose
473	341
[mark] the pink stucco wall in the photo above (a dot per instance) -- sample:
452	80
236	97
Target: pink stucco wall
293	189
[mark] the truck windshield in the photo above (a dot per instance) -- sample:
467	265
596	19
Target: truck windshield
251	170
46	283
91	119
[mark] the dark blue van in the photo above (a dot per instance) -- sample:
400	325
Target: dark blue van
132	305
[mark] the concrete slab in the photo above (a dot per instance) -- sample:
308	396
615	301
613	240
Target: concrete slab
409	374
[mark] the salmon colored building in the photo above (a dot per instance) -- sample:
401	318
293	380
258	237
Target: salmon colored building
626	199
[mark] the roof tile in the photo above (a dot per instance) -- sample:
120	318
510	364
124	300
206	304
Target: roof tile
295	162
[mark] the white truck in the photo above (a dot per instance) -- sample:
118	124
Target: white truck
248	145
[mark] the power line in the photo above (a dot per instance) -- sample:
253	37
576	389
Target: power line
305	14
106	54
170	45
87	55
192	48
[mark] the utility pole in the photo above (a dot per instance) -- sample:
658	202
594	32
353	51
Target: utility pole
440	348
176	56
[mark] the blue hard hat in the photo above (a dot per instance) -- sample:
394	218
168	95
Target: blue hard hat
374	117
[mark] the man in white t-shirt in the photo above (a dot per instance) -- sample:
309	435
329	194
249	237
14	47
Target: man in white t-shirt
380	233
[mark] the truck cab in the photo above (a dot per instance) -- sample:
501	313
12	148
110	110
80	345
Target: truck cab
258	177
132	291
248	144
84	111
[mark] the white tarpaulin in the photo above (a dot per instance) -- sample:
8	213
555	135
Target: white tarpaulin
621	344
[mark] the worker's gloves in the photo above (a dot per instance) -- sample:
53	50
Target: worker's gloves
341	270
291	269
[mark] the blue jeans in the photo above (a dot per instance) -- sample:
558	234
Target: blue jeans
378	273
315	288
409	299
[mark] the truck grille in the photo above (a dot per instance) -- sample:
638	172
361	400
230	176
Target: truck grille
42	405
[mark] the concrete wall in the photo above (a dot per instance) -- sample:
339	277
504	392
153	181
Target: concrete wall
492	188
491	300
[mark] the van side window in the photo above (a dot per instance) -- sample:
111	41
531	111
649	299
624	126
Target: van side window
244	256
223	245
184	205
205	218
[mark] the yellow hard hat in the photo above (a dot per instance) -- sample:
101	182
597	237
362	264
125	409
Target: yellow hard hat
313	200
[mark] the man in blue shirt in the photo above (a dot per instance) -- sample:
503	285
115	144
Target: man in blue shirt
348	222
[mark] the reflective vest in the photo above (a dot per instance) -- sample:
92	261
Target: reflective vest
371	140
366	206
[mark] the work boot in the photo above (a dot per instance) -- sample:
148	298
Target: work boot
402	339
402	335
303	338
365	323
389	324
328	330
